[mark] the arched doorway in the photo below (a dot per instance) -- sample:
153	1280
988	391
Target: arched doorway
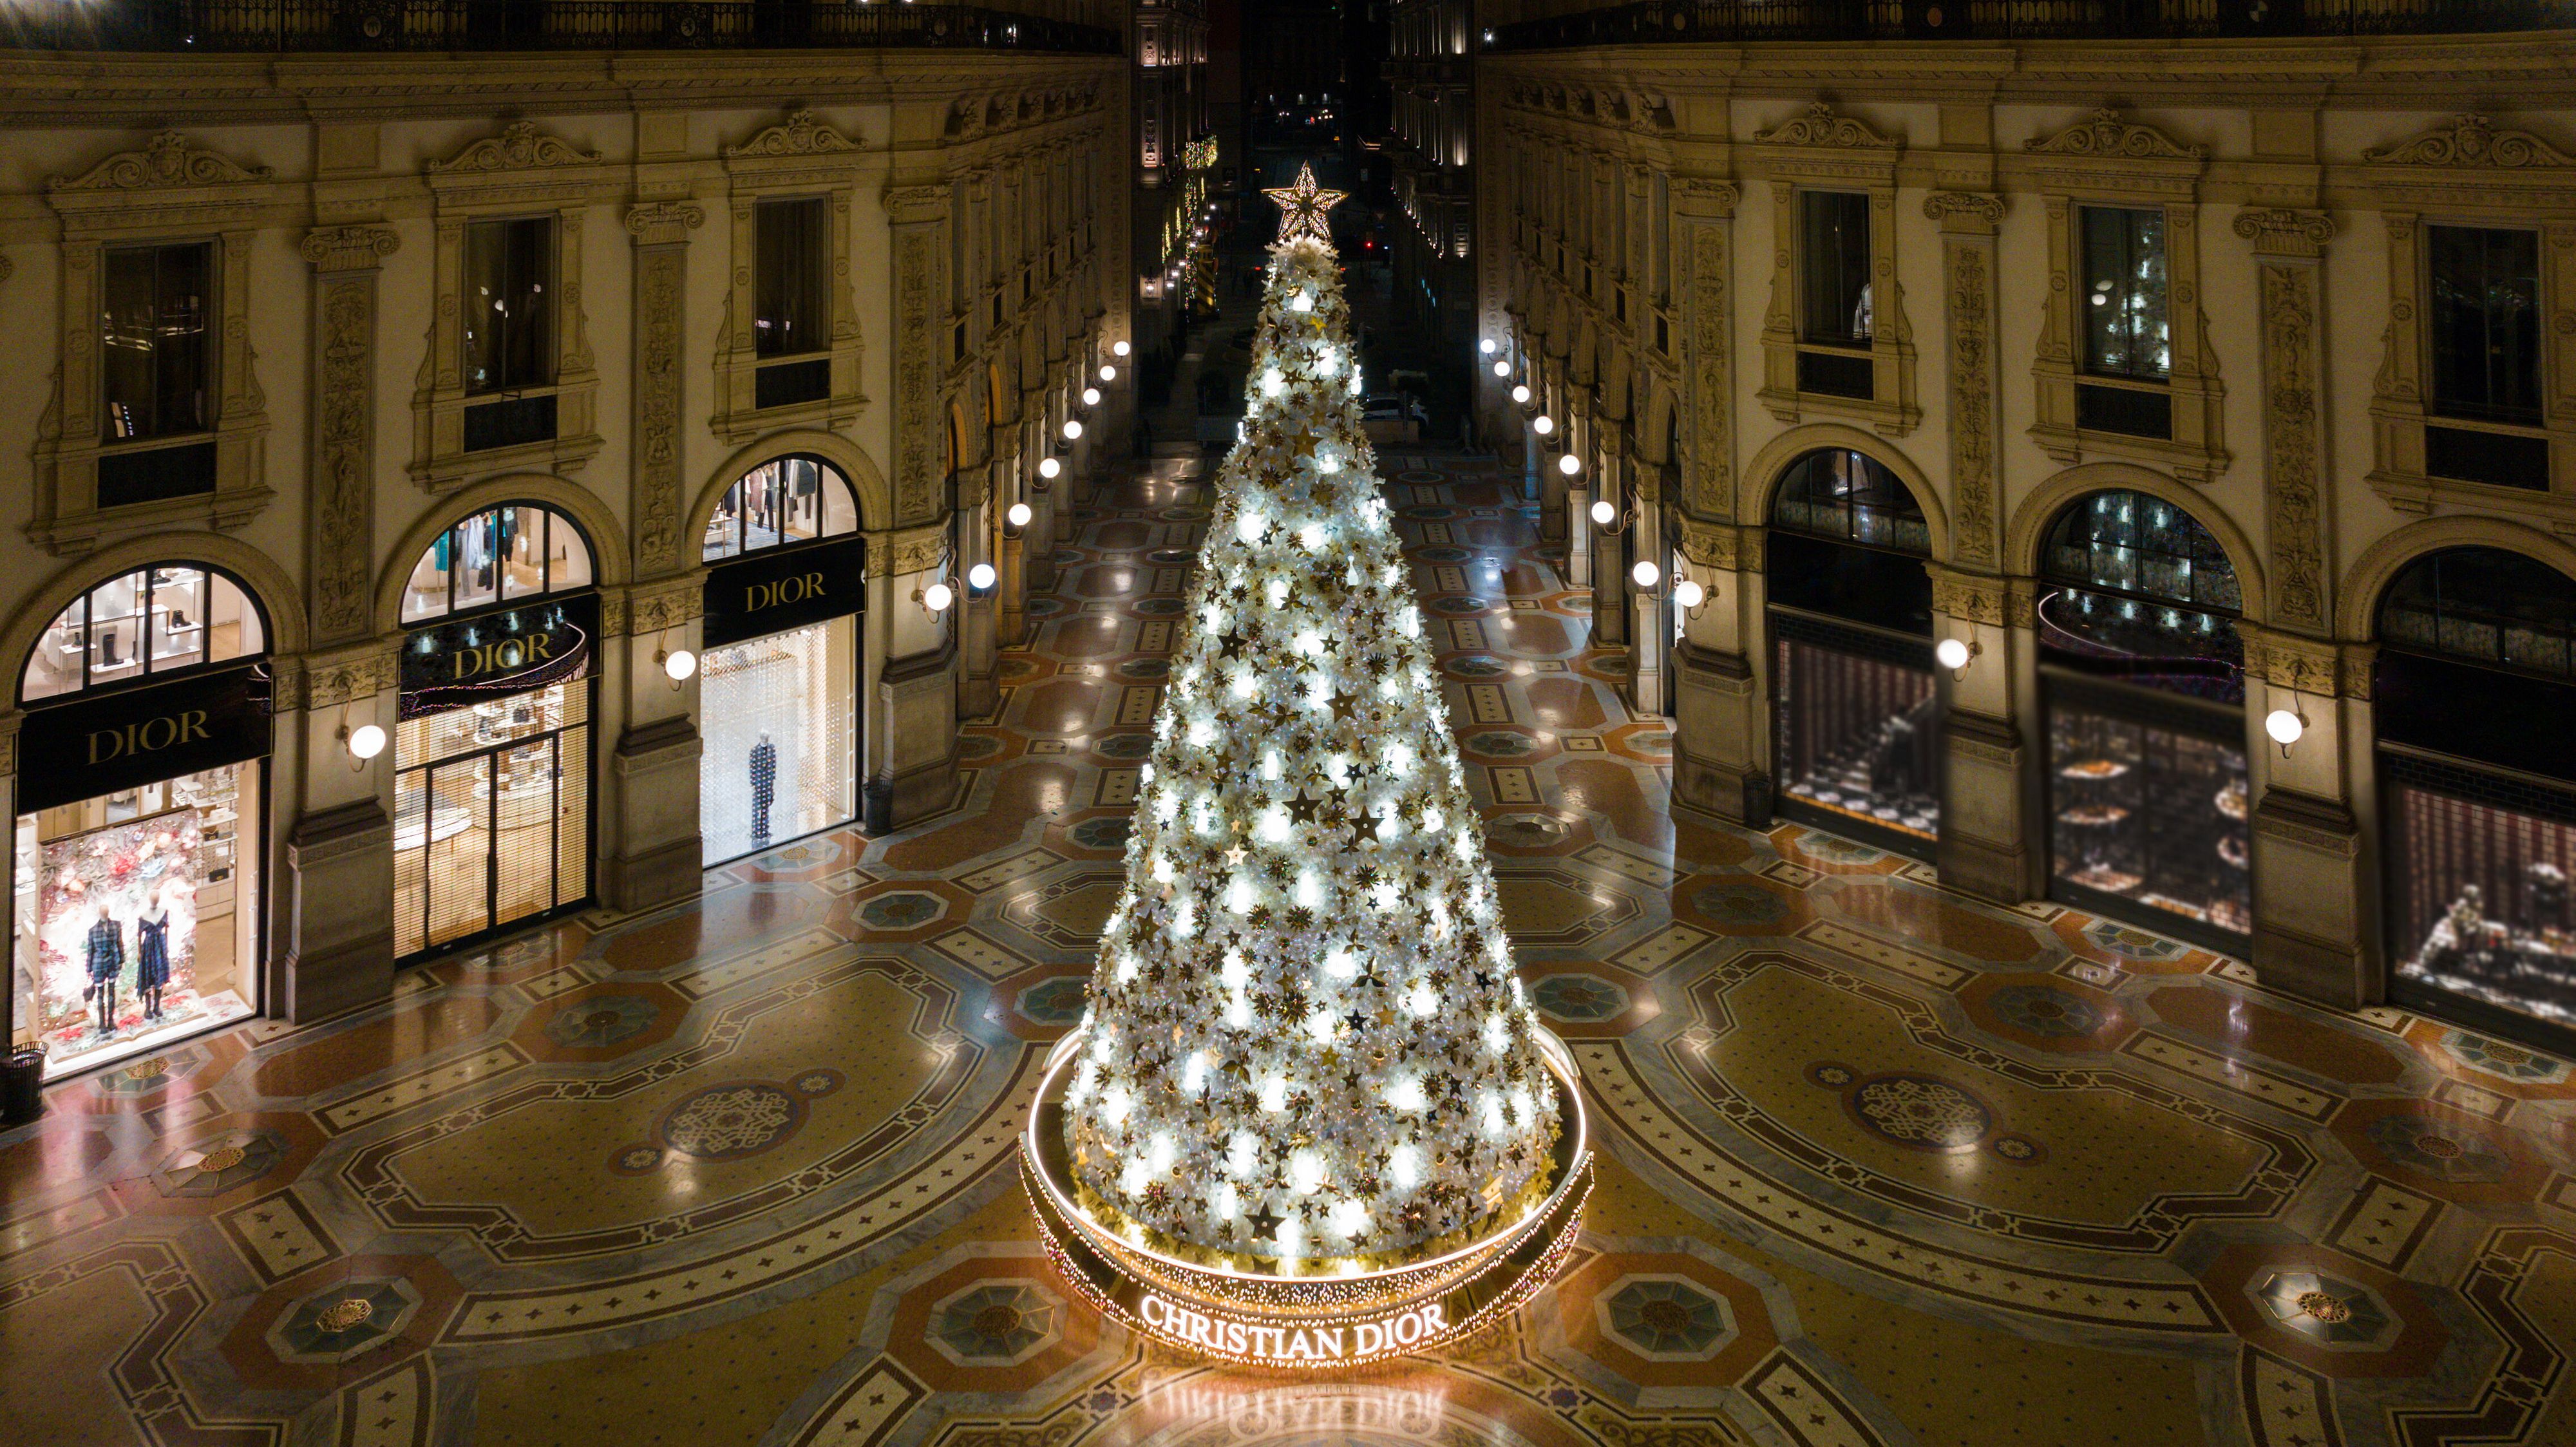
492	757
2474	691
779	679
2143	688
142	794
1855	724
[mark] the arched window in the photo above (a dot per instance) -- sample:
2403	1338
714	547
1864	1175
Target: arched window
2484	605
782	502
148	623
498	556
1850	497
2140	548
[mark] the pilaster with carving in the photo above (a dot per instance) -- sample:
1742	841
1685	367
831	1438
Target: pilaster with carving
661	231
917	216
340	468
1968	222
1706	215
2289	246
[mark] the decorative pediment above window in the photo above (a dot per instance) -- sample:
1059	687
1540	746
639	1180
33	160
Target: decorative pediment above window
802	135
2105	135
1820	125
166	160
520	148
2471	141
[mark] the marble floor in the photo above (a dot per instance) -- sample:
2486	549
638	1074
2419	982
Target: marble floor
1880	1165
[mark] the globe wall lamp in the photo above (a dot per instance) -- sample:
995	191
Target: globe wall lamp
1520	393
1688	595
980	579
1118	349
1108	373
363	742
1016	519
1049	469
1072	428
934	599
2286	726
1542	424
1090	396
1955	654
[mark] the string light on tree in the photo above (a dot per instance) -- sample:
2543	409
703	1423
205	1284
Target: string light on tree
1309	1094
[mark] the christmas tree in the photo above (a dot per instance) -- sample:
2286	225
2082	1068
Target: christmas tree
1307	1049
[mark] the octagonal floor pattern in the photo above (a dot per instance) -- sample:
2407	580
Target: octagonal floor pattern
1881	1165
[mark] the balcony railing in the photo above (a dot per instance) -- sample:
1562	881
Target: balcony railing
449	25
1727	21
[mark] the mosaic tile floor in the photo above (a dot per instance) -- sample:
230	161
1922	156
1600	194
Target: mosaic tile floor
1882	1165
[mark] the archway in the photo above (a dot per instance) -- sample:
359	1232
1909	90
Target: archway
1855	726
2142	693
2473	686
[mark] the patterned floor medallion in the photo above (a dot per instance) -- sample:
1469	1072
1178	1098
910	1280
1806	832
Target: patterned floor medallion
1877	1163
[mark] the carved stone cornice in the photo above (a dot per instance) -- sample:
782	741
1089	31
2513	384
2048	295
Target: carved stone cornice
652	607
1705	197
915	205
1720	545
1821	125
1970	211
167	160
2307	665
521	147
660	223
893	552
2284	232
349	248
328	680
800	135
2105	135
2470	141
1971	597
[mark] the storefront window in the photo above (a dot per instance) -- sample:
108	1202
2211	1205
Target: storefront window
781	737
2480	896
492	806
791	500
1858	731
2143	673
2471	701
137	916
780	696
148	622
1855	721
491	815
499	555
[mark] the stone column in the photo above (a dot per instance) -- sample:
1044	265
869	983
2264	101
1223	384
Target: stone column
1988	845
1610	544
651	850
1721	732
1646	607
978	634
913	761
335	939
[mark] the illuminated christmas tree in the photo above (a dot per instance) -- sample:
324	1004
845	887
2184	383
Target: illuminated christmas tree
1307	1048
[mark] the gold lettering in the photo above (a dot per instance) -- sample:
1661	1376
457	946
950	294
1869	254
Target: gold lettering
115	745
192	725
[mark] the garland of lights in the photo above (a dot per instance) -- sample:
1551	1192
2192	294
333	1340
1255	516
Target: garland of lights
1309	1086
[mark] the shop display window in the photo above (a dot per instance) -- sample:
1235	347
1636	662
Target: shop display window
2149	812
781	737
2480	876
136	918
149	622
499	555
790	500
2486	606
1847	496
2145	595
491	814
1858	726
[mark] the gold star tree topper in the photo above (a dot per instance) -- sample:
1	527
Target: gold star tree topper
1302	207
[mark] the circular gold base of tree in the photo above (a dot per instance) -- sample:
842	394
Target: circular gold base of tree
1331	1312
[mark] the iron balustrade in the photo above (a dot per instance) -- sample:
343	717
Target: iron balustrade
1730	21
217	26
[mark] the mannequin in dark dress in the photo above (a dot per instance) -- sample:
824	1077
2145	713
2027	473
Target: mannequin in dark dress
106	961
152	952
764	786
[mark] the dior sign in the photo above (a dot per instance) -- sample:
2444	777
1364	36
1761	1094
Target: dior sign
492	655
1227	1336
114	741
770	592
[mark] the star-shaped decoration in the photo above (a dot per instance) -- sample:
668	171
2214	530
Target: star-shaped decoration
1231	643
1346	705
1302	207
1265	1224
1302	810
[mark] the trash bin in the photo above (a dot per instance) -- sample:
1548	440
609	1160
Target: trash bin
22	1085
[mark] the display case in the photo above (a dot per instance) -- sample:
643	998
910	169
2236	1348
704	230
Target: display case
1856	730
2480	864
2149	810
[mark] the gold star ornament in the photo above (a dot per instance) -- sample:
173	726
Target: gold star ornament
1302	207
